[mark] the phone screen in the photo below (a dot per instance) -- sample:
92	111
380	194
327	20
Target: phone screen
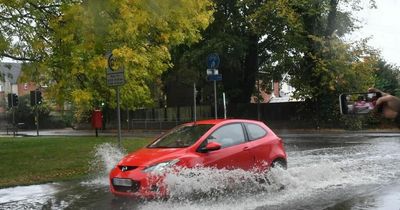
358	103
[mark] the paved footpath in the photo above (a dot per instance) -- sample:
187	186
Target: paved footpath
73	132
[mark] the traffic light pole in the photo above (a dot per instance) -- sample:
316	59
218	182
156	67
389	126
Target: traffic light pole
13	114
13	120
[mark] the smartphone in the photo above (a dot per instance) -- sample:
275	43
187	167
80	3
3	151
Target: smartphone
358	103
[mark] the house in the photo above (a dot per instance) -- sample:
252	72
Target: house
281	92
9	75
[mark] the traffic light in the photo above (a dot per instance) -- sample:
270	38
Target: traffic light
33	101
12	100
39	97
15	99
36	97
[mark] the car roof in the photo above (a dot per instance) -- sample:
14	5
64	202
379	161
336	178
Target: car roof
217	121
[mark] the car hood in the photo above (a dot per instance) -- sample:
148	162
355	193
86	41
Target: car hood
150	156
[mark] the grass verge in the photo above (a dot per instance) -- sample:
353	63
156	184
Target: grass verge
34	160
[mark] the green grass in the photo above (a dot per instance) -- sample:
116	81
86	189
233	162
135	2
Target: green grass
34	160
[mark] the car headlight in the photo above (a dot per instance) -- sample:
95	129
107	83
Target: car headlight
160	166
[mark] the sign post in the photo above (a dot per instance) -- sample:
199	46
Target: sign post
224	101
194	103
116	78
212	75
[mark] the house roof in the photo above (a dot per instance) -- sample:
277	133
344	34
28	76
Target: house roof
10	72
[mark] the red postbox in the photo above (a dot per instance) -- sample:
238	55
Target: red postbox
97	119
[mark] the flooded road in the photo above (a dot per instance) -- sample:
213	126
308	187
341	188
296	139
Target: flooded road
324	172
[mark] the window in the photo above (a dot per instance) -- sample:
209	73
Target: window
182	136
228	135
255	131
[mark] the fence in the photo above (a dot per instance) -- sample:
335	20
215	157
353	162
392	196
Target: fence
157	118
277	115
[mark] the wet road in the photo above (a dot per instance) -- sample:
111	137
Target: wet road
325	172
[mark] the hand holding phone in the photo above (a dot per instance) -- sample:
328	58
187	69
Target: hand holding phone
358	103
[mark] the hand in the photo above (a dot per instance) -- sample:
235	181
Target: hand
374	90
390	104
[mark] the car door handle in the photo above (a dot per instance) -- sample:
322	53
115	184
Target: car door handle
245	148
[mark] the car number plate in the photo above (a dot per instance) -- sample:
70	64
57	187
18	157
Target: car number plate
122	182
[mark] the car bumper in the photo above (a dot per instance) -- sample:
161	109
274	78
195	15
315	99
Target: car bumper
144	185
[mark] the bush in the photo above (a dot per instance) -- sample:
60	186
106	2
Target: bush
352	122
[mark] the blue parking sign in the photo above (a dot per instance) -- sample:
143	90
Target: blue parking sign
213	61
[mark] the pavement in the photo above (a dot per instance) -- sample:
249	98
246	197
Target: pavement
73	132
152	133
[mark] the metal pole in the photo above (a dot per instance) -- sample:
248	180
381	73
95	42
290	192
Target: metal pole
223	97
215	99
37	114
118	118
13	114
128	120
194	102
258	100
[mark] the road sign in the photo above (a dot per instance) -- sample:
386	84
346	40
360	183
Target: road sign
216	77
213	61
212	72
115	78
115	75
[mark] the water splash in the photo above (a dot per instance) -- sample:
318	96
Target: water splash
315	178
105	157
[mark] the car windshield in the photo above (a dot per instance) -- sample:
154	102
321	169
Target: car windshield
182	136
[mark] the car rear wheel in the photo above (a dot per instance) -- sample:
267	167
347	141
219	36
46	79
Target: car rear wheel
279	163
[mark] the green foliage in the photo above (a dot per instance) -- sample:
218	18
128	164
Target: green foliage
352	122
328	66
249	36
67	41
301	38
388	78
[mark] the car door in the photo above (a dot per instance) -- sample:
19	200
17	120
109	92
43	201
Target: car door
260	145
234	151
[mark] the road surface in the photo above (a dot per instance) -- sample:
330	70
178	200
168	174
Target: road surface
338	171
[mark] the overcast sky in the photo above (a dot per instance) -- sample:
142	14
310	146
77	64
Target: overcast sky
383	25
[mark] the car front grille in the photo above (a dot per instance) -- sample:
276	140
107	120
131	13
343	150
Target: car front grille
134	188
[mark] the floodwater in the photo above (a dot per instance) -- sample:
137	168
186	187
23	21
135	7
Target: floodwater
334	172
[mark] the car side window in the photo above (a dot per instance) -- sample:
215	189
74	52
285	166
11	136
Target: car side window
228	135
255	131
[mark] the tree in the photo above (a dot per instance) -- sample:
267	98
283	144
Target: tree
249	36
276	37
67	41
387	78
327	65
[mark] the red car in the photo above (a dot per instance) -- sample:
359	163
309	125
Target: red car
228	144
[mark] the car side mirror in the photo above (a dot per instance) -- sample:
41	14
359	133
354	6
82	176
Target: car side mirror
211	146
